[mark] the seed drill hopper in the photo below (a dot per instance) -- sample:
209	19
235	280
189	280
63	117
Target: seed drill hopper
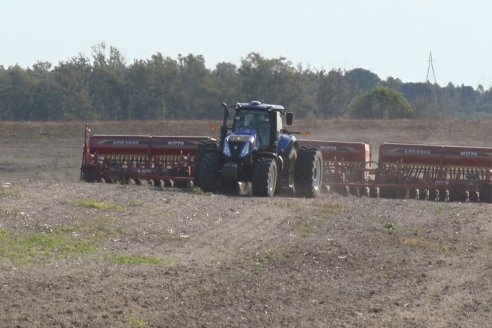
430	172
435	172
159	160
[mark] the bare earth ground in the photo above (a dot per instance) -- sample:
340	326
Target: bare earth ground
74	254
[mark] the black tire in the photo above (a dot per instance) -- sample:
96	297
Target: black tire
89	174
200	149
209	171
264	177
486	193
308	174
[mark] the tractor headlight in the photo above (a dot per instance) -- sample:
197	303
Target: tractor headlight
227	149
245	150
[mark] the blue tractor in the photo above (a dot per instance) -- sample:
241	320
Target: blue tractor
257	149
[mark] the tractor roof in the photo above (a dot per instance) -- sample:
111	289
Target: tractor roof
259	106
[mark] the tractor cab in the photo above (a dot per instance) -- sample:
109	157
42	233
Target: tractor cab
258	124
262	122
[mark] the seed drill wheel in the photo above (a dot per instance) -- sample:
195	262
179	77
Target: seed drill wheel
264	177
209	170
308	173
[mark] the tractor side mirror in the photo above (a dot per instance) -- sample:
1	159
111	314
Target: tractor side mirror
289	117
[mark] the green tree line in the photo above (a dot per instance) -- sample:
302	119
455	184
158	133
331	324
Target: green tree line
104	86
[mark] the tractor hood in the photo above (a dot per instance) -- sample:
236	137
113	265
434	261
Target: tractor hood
242	136
241	143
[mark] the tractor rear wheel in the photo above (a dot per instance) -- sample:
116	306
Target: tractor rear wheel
486	193
200	149
209	171
308	172
264	177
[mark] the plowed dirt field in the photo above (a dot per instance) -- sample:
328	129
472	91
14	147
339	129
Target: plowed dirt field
74	254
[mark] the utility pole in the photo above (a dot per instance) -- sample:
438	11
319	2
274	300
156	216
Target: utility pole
429	68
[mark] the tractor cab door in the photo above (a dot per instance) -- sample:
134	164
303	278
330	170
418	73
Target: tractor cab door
279	126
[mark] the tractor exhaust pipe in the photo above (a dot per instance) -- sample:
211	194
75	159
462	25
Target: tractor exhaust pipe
223	129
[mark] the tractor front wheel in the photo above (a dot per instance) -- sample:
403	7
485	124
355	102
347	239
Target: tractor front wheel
264	177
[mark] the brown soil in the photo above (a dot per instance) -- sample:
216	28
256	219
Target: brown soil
75	254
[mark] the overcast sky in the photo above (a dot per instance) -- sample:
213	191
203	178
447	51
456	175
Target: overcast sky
387	37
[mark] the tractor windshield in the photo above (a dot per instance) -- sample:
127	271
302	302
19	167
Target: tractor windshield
256	121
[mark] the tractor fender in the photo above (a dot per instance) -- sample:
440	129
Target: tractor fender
286	142
290	146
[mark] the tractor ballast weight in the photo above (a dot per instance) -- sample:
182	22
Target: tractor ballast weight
257	149
160	160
